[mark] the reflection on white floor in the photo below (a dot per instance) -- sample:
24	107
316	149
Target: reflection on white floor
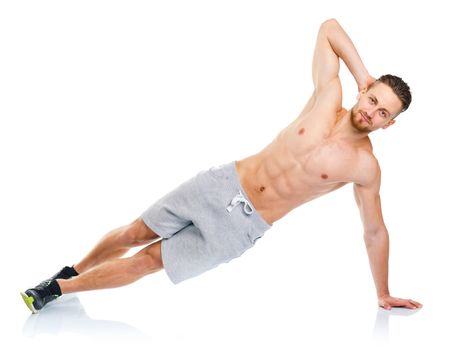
381	329
67	315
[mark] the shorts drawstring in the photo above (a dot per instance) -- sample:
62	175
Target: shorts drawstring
239	198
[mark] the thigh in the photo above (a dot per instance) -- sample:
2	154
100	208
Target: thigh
174	211
153	251
190	253
138	232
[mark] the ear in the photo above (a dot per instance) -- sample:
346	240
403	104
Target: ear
391	122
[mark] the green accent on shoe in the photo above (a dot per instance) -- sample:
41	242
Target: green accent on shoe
29	302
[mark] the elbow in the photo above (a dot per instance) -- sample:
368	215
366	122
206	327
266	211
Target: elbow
328	27
328	23
330	20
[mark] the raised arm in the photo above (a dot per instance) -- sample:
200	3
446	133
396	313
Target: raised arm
333	43
376	238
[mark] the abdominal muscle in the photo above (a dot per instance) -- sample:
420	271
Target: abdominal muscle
288	173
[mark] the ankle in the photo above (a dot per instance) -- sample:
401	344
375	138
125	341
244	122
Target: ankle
73	271
79	268
54	288
63	286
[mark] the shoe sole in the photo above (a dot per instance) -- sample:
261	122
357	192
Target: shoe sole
29	302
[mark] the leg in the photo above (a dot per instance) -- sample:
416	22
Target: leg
116	243
109	273
116	272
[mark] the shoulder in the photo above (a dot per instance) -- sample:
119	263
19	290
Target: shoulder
368	169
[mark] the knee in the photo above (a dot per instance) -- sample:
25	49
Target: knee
137	233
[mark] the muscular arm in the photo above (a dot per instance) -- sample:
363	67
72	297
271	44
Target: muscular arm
376	237
375	233
333	43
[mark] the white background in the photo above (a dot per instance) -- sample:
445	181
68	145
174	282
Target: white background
107	105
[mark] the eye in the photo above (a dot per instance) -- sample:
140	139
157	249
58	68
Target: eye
383	114
371	100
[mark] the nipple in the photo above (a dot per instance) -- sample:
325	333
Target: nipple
301	131
324	176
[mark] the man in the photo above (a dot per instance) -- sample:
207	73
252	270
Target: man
218	214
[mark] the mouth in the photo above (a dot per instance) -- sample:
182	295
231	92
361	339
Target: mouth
365	118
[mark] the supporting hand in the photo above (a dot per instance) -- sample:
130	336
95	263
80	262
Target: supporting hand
387	302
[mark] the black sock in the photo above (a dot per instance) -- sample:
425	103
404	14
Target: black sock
71	271
66	273
54	288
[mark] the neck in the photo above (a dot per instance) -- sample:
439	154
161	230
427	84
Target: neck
344	130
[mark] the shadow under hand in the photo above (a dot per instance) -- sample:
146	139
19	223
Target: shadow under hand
67	315
381	329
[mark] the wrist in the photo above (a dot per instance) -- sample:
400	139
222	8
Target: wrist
383	294
363	79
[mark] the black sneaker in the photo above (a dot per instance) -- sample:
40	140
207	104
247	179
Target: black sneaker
36	298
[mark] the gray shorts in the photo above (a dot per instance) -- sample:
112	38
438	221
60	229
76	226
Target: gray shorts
204	222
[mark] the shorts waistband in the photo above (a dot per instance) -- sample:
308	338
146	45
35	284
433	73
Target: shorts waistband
242	197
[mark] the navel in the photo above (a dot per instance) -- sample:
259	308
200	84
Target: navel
261	188
301	131
324	176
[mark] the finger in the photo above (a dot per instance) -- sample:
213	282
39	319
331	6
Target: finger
415	303
397	302
410	304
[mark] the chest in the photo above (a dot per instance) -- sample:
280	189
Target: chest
329	162
320	158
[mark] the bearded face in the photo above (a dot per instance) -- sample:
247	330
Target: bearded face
360	121
375	108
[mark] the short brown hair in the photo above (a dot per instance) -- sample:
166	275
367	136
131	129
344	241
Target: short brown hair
399	87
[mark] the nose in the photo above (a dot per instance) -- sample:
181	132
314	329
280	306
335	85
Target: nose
368	114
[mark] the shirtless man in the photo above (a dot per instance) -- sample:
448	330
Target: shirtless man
218	214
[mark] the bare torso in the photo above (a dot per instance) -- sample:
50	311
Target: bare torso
306	160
